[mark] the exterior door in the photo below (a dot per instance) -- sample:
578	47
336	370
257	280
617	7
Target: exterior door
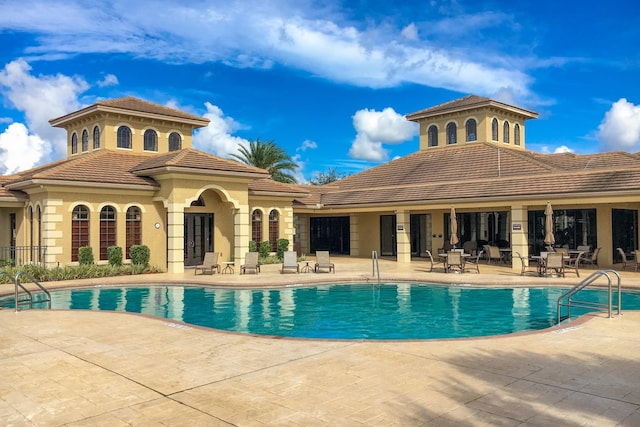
388	235
198	237
624	232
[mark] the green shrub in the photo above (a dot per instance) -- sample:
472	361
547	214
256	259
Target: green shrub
283	245
85	255
253	246
114	255
265	249
140	255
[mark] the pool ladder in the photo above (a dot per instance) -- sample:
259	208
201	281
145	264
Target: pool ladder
567	299
375	266
28	299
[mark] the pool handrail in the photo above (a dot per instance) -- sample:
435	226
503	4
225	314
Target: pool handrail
375	265
588	304
34	281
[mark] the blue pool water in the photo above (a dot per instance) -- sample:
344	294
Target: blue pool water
352	311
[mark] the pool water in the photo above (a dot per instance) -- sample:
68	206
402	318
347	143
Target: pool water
344	311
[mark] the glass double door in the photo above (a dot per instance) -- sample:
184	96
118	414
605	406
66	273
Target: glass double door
198	237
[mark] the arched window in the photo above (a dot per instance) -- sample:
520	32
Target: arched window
74	143
150	140
134	229
452	133
124	137
79	230
175	141
256	226
433	136
471	130
107	230
516	134
96	137
274	229
506	132
85	140
494	129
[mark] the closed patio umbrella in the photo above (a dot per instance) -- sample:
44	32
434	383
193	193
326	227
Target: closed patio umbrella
549	239
454	228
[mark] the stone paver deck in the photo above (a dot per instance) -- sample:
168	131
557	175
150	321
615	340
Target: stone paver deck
80	368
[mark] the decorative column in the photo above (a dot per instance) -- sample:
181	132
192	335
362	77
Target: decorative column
241	233
403	237
519	235
354	245
175	238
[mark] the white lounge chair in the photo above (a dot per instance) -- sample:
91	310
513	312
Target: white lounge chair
323	261
290	262
250	263
209	263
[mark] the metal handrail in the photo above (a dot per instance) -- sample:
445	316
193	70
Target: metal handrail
34	281
568	295
17	285
375	266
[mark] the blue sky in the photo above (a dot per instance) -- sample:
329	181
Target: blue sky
329	81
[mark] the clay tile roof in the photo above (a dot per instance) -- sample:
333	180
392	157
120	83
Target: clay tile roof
190	158
608	160
465	103
104	167
134	106
270	186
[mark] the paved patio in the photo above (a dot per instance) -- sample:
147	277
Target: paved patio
113	369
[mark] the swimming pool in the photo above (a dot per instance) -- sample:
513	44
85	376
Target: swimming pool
341	311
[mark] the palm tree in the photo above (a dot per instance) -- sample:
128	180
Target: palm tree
267	155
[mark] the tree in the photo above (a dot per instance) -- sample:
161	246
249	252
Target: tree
322	178
267	155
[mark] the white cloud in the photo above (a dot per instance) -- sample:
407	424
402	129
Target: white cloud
40	98
217	137
20	150
108	80
307	144
258	34
375	128
620	128
410	32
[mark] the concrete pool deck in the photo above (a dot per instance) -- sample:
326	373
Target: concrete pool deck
115	369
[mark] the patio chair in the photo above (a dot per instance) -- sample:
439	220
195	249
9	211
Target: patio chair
439	261
290	262
523	264
470	247
473	262
593	258
492	252
323	261
209	263
554	264
455	261
250	263
625	263
573	264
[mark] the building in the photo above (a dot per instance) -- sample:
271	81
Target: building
131	176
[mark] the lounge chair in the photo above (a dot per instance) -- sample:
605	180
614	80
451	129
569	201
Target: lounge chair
209	263
625	263
250	263
492	252
593	258
290	262
440	261
455	261
323	261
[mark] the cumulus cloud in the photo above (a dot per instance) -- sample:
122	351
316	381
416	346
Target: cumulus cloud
375	128
620	128
245	33
40	98
307	144
217	137
108	80
20	150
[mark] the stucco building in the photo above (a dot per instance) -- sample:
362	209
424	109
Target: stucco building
131	176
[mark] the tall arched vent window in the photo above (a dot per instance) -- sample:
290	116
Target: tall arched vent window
79	230
107	230
472	130
175	141
452	133
494	129
256	226
516	134
124	137
134	229
96	137
433	136
150	140
74	143
505	130
274	229
85	140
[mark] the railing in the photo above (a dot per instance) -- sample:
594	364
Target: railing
375	266
21	255
571	293
29	299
